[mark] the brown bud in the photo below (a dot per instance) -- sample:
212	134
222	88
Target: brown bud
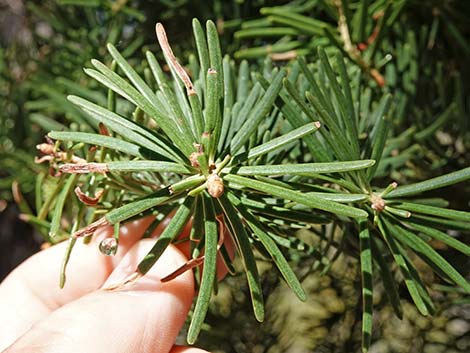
378	203
193	159
199	147
215	186
45	148
103	129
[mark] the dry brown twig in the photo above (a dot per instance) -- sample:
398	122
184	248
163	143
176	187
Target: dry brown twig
180	71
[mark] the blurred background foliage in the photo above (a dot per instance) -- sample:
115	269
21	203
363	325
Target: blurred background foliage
330	319
416	50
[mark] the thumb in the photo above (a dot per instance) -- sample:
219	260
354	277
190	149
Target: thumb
144	316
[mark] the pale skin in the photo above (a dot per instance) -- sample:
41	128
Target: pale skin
145	316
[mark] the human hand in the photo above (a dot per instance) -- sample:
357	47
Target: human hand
145	316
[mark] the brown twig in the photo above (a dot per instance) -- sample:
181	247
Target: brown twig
84	168
215	185
180	71
129	280
288	55
355	52
197	261
91	228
